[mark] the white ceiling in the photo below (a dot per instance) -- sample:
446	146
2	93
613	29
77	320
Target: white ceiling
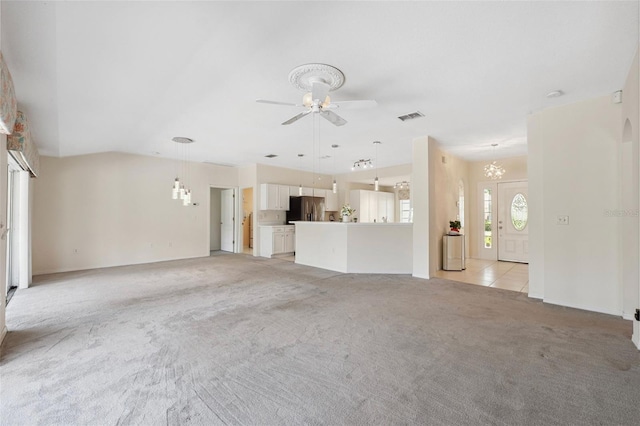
128	76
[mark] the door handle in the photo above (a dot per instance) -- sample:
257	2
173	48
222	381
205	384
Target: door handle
499	227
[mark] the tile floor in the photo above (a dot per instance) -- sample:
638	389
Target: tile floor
490	273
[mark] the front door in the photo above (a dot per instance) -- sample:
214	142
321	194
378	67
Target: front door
227	220
513	232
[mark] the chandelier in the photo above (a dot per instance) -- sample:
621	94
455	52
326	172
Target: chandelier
362	164
401	185
494	170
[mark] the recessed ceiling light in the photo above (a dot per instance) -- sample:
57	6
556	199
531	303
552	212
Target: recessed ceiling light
555	94
335	146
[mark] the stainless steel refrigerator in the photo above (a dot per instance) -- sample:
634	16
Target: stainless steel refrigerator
306	209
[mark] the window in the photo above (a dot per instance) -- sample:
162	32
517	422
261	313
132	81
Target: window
405	211
487	219
519	212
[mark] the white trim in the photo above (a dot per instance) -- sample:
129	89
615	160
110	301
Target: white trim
627	316
591	308
3	334
536	296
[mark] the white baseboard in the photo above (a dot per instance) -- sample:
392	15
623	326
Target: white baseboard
536	296
628	316
598	309
90	267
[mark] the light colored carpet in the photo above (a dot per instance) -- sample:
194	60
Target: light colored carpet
233	339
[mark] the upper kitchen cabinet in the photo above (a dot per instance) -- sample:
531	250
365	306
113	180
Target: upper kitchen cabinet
331	202
373	206
274	197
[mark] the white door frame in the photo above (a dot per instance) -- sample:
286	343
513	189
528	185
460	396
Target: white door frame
18	232
237	205
482	251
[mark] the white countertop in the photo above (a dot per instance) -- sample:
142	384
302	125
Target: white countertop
353	223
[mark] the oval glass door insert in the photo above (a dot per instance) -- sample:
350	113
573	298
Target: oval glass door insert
519	212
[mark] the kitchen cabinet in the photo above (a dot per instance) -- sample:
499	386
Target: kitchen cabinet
277	240
372	206
331	201
274	197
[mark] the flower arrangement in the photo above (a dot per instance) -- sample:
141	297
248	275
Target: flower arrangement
347	210
455	225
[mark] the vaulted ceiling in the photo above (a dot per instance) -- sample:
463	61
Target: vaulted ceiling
128	76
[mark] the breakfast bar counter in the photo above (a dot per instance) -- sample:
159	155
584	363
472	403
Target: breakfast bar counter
378	248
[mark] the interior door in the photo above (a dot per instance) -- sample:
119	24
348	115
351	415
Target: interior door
227	218
513	232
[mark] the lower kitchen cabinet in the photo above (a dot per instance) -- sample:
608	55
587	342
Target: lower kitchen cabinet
277	240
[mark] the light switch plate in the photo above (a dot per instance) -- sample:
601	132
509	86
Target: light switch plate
562	220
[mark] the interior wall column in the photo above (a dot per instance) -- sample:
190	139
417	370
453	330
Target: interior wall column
420	203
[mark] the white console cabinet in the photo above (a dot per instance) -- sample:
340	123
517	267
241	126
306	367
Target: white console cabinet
277	240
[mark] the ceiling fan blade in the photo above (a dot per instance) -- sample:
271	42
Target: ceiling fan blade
264	101
296	117
333	118
319	91
354	104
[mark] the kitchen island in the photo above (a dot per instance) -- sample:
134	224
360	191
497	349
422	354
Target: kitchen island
378	248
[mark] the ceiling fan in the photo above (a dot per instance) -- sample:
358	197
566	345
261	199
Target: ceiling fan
317	80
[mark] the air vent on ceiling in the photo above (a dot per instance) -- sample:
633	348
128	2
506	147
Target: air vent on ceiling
271	155
411	116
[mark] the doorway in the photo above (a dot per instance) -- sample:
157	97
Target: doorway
513	214
222	220
503	213
247	220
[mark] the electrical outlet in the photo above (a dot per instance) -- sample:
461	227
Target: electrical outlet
562	220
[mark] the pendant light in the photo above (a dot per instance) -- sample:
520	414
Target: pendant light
376	182
179	191
334	186
300	187
176	189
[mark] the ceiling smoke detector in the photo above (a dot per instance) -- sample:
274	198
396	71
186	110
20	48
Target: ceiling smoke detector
411	116
181	139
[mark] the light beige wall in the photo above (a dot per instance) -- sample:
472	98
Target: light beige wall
348	181
113	209
573	170
447	174
630	224
516	170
